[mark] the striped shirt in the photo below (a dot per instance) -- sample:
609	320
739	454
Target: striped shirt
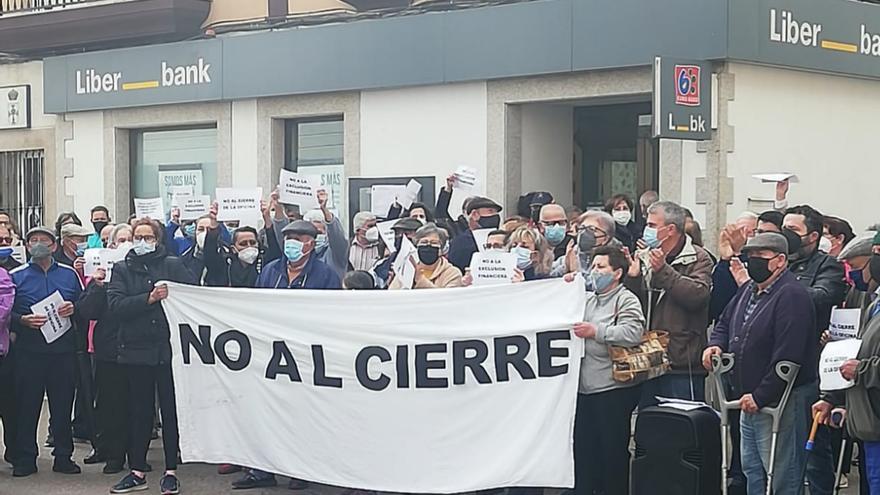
363	257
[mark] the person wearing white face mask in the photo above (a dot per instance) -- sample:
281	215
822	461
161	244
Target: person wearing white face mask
364	249
612	316
621	207
145	350
236	266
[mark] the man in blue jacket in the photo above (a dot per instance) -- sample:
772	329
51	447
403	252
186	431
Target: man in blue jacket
300	268
39	365
770	319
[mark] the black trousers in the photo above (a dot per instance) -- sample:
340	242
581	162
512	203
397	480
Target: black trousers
37	374
142	380
602	431
111	410
7	404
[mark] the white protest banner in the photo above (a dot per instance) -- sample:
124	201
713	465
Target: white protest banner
481	237
239	204
193	207
465	178
444	400
844	323
404	265
382	196
835	354
296	189
776	177
149	208
387	233
410	193
56	326
329	178
493	268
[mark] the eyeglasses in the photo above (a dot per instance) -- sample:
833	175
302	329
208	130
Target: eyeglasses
6	240
148	238
595	230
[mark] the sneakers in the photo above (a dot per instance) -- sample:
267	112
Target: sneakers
249	480
131	483
65	466
169	485
23	471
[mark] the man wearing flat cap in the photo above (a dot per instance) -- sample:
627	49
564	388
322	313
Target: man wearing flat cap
482	213
771	319
298	268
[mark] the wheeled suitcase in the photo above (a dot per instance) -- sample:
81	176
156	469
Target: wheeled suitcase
677	452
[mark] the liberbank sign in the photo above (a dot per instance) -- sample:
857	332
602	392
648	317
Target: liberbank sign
185	72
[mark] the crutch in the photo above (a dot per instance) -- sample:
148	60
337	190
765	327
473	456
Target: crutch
721	364
787	371
838	416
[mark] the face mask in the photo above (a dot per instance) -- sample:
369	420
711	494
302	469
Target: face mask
874	268
554	234
249	255
189	230
759	269
490	222
586	241
81	249
858	280
429	255
794	241
125	246
622	217
600	281
200	239
143	247
5	253
372	235
40	251
293	249
650	238
523	257
321	241
99	226
824	244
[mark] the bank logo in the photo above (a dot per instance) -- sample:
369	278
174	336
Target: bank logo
90	81
687	85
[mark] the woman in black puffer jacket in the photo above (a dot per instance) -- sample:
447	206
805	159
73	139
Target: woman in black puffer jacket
145	349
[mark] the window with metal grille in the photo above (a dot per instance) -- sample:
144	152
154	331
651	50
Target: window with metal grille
21	187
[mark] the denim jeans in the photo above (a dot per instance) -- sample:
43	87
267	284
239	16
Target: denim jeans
872	465
675	386
755	440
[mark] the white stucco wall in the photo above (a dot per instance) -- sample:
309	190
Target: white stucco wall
547	142
428	130
86	149
821	127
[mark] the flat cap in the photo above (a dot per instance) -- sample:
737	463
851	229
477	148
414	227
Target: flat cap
770	241
39	230
302	227
74	230
860	246
407	224
481	202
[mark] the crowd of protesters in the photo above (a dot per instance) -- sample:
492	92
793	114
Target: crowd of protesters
765	296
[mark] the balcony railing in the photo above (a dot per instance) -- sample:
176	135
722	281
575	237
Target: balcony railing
23	6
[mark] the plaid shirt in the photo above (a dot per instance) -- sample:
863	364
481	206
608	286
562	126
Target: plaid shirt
755	296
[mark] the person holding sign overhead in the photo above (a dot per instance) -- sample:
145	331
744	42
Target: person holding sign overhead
482	213
144	350
433	271
41	366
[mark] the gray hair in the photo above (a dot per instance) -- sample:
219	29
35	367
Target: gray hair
116	230
673	214
432	229
648	198
361	218
603	218
314	216
747	215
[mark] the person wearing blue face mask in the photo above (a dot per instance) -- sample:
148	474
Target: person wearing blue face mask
553	224
612	316
74	242
533	254
331	245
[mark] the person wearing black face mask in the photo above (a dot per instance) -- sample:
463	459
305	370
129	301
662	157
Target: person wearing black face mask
483	213
100	219
823	277
769	320
433	271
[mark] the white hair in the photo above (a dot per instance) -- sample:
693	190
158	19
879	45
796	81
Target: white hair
315	216
361	218
747	215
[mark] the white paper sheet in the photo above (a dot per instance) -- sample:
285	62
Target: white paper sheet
493	268
466	178
409	194
57	325
193	207
382	196
844	323
481	236
776	177
404	265
149	208
297	189
833	355
387	233
242	204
